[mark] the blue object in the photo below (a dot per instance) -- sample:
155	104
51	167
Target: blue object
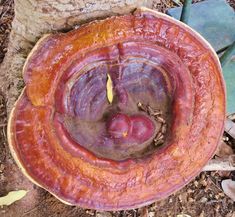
229	76
213	19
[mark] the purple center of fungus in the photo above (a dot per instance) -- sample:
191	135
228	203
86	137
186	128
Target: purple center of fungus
119	126
142	128
135	128
116	130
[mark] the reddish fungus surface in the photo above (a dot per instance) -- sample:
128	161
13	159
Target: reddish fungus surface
68	138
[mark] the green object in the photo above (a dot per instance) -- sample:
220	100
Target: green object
186	11
229	76
213	19
227	55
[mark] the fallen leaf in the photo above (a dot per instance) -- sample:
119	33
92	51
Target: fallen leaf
12	197
109	88
228	187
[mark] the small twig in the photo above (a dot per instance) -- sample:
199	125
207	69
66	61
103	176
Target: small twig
222	164
211	182
159	142
213	201
150	111
153	112
160	119
159	136
141	107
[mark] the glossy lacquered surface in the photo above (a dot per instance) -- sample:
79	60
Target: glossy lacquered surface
71	141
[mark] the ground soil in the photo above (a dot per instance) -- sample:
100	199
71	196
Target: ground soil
203	197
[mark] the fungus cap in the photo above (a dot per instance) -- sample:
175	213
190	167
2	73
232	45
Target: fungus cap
67	138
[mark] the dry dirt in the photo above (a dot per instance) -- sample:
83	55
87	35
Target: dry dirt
202	197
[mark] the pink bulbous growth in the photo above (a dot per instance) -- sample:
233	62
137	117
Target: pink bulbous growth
119	126
135	128
142	128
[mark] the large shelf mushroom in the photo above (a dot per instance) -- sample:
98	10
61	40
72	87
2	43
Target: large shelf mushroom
68	138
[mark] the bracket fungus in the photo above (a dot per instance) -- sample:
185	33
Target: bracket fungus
160	128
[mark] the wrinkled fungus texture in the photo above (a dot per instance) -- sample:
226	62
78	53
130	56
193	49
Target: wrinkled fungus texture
86	151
